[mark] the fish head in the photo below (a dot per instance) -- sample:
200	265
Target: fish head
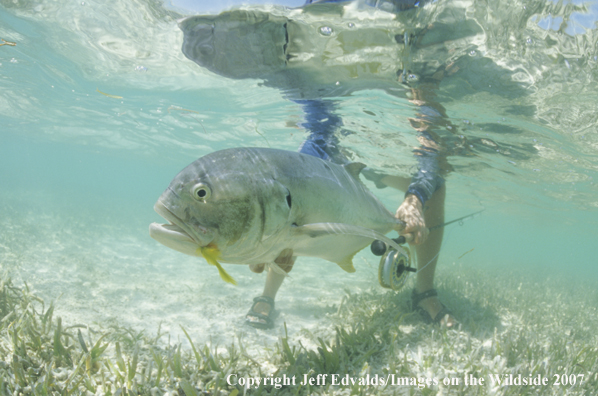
223	205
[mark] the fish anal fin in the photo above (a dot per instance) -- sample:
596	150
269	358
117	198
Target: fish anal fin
354	169
347	264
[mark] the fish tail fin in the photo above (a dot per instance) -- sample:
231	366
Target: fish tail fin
211	254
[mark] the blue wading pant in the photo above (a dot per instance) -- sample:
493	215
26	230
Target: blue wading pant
321	122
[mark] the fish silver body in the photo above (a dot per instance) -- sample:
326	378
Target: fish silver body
253	203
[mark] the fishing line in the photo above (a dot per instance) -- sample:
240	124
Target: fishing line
422	268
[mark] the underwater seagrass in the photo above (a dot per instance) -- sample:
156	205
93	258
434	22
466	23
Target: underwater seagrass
248	205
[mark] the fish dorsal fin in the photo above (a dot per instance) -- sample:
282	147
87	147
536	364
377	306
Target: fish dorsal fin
354	168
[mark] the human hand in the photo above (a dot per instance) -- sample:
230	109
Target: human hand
411	212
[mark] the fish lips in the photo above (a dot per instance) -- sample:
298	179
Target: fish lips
177	234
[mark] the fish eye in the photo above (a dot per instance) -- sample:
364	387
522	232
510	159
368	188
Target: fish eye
201	192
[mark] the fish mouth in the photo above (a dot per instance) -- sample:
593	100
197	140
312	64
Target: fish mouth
177	234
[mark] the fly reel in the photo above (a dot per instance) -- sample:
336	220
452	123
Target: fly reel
394	267
395	264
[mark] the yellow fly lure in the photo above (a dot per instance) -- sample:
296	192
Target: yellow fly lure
212	254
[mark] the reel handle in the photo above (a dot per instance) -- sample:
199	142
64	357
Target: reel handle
379	248
407	238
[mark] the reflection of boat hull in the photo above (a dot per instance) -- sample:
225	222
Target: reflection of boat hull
328	50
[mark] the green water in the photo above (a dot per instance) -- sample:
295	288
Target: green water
80	170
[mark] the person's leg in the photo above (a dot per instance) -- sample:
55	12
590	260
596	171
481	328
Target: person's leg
430	122
427	257
321	122
274	280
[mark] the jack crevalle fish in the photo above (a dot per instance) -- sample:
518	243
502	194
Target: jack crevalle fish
247	205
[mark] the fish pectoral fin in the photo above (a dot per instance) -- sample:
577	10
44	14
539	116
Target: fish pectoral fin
339	249
315	230
347	264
